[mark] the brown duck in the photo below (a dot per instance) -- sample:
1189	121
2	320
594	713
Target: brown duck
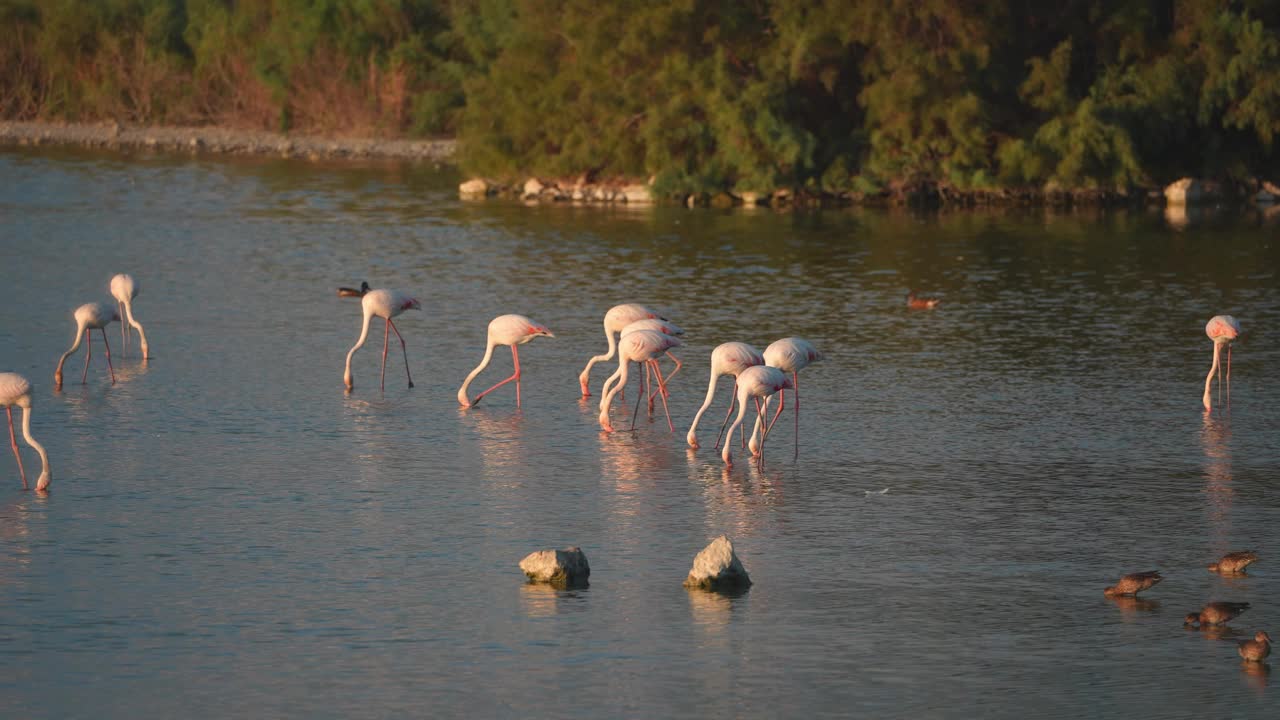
1256	649
1133	583
919	303
1234	562
1216	613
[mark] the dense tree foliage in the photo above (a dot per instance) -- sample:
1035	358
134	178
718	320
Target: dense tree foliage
700	94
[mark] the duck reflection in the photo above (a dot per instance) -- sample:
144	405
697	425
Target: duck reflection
1131	607
1257	674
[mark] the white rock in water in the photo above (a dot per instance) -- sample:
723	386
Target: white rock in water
638	194
558	567
475	186
533	188
717	567
1184	192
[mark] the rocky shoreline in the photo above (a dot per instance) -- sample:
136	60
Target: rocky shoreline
114	136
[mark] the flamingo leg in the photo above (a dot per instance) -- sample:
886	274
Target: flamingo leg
386	336
402	350
1220	380
679	365
1228	374
795	381
733	399
107	345
636	411
13	440
648	371
662	389
514	376
782	402
88	353
764	431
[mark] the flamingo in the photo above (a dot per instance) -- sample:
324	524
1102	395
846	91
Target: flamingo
618	317
642	346
758	381
16	390
1222	330
790	355
386	304
665	327
90	316
510	330
124	289
728	358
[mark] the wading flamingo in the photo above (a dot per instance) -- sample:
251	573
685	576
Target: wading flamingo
16	390
386	304
510	330
728	358
665	327
790	355
1222	330
756	382
642	346
90	316
124	289
618	317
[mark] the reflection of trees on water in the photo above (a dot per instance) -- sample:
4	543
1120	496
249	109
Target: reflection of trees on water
1215	437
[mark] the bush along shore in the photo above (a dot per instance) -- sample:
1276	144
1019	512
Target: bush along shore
1182	193
114	136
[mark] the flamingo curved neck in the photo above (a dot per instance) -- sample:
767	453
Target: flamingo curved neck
45	476
364	334
1208	380
692	437
75	345
462	391
142	335
743	394
613	347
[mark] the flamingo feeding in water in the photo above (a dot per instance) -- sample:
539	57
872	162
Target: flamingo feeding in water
510	330
1222	330
728	358
759	381
790	355
618	317
667	328
642	346
386	304
90	316
124	289
16	390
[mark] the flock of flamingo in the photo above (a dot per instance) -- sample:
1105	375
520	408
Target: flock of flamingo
633	332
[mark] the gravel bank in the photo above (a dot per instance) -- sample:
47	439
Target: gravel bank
220	140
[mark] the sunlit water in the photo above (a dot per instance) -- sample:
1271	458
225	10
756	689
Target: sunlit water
229	534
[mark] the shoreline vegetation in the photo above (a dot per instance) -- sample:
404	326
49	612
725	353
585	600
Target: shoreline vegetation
934	102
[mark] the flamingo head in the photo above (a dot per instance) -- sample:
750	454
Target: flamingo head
410	304
540	331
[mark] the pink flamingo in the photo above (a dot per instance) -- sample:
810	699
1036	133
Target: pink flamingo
790	355
90	316
386	304
1222	330
510	330
618	317
124	289
728	358
667	328
642	346
16	390
758	381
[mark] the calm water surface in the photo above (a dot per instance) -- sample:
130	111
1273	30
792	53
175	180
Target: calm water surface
229	534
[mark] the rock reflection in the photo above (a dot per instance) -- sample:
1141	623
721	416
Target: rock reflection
713	610
540	600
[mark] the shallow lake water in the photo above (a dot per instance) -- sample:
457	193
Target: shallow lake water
229	534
